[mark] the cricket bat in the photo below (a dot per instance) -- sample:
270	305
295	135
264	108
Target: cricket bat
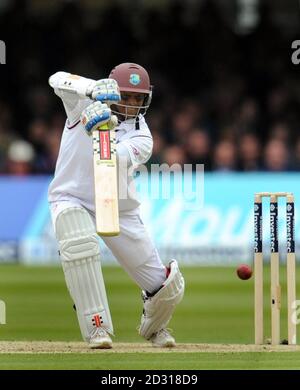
105	180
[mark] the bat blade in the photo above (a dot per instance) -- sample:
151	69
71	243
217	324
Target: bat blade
105	176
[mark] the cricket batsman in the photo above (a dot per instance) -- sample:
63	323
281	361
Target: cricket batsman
121	100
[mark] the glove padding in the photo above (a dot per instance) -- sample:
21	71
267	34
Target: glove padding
96	115
106	91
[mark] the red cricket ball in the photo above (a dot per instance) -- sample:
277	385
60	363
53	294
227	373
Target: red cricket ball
244	271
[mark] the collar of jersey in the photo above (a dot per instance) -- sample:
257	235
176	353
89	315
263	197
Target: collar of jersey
128	124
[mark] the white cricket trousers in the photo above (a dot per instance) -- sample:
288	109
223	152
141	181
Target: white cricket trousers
133	248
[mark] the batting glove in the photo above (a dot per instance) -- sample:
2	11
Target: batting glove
106	91
97	115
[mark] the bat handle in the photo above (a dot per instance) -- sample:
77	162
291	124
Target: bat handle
104	127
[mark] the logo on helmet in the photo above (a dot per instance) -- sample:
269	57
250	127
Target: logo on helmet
134	79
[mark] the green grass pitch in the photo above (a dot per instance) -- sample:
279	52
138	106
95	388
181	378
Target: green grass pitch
217	309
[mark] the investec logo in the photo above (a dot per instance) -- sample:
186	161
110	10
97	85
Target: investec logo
257	232
289	228
2	53
273	228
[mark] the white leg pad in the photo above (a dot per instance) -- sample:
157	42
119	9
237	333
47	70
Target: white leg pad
80	255
158	310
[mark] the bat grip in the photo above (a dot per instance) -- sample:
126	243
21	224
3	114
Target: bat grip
104	127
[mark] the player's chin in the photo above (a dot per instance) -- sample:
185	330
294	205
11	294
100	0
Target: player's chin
132	113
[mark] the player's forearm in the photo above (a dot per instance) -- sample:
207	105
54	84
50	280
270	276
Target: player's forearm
73	84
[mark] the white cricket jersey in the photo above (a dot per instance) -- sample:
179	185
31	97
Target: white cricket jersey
74	176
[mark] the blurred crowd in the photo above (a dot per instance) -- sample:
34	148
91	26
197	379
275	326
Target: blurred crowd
222	99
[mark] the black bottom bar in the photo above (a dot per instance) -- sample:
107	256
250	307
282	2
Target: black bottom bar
134	379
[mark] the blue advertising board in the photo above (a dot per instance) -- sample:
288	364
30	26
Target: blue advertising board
215	227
